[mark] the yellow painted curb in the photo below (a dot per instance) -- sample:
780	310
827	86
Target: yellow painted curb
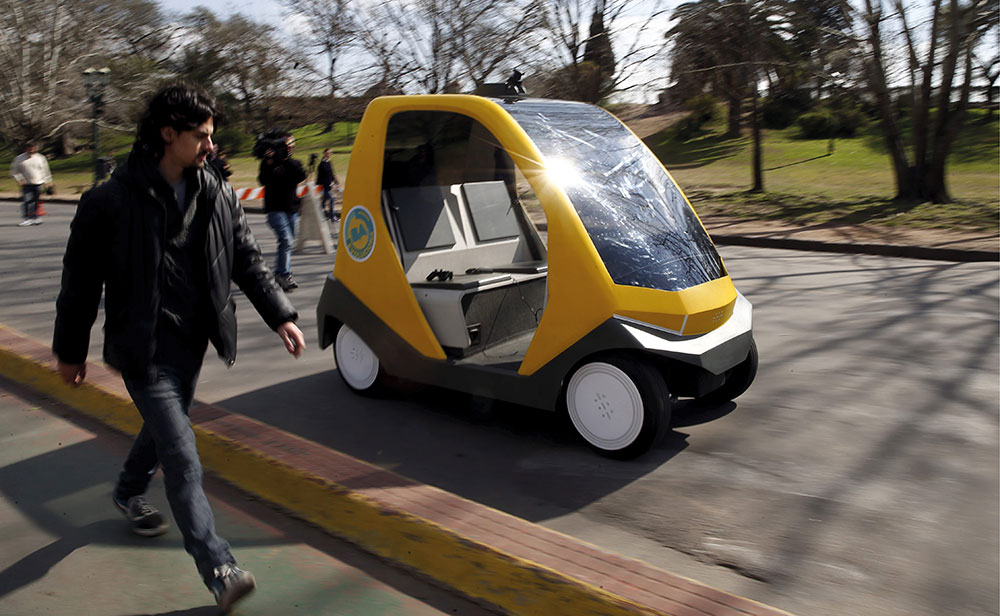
516	585
115	411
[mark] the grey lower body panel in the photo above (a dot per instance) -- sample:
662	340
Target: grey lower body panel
501	381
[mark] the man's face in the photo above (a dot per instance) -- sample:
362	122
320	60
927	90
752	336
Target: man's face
32	148
188	148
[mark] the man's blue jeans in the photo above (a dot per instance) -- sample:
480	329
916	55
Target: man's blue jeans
29	199
283	224
327	198
167	439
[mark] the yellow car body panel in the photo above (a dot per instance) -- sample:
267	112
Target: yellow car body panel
581	294
378	281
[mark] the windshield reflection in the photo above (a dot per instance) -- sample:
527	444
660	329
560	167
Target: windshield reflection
639	221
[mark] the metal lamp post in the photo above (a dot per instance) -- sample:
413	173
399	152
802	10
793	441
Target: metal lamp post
95	80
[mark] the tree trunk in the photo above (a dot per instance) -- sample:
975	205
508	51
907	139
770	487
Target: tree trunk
734	117
758	163
922	103
906	186
331	74
332	121
932	184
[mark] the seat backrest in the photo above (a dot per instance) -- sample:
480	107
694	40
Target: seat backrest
492	211
454	228
422	217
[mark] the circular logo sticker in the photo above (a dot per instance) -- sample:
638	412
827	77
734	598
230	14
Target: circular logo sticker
359	232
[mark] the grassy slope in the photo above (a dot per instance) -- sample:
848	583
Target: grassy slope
74	174
854	184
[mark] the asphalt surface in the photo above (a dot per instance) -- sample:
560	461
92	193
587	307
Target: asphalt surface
66	550
858	475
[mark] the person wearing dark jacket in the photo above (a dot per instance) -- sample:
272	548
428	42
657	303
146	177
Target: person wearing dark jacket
326	177
164	238
280	175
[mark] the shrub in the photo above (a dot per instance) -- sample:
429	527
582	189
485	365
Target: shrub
233	141
850	121
703	107
687	127
817	124
826	123
782	109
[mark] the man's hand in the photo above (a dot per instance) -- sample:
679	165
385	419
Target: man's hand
73	374
292	336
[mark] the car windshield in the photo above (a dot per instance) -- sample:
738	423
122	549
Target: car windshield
637	218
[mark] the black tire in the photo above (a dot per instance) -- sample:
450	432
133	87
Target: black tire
619	405
738	379
357	364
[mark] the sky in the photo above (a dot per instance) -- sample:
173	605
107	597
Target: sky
271	12
267	11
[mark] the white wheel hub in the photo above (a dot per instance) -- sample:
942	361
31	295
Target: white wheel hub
357	363
605	406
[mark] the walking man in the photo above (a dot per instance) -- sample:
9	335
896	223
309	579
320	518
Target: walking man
165	237
280	175
31	170
326	177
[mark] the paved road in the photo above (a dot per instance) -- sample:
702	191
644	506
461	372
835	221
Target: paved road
65	550
859	475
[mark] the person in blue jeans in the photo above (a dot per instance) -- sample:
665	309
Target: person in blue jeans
31	170
327	177
164	239
280	175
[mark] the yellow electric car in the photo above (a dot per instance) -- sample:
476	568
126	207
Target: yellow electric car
442	276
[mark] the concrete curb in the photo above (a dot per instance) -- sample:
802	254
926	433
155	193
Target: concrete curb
885	250
519	567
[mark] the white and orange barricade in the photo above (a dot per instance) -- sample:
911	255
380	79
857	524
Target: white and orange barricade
257	192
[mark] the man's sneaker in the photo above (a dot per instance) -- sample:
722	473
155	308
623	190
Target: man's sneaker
231	584
27	222
36	221
287	282
144	519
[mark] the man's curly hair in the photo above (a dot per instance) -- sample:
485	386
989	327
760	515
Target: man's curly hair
180	106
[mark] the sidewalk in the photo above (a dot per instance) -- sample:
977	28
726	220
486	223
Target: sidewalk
66	550
933	244
489	556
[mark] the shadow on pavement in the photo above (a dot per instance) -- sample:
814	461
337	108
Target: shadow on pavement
65	493
524	461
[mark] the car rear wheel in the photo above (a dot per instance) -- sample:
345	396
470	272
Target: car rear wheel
356	362
620	406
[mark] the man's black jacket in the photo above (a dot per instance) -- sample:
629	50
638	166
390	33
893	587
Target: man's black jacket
280	179
116	241
324	174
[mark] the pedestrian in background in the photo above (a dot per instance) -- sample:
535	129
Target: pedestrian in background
165	238
31	170
280	175
105	167
219	160
326	177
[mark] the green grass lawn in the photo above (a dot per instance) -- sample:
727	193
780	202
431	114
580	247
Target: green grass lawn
804	181
74	174
854	184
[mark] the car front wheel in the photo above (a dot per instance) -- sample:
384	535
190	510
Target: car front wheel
618	405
